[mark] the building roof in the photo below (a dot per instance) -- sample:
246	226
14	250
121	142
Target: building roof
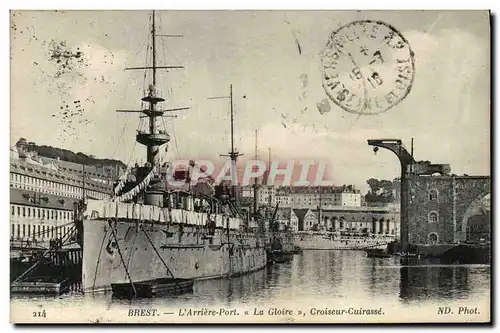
22	167
361	209
360	216
317	189
104	172
40	200
301	213
446	177
284	214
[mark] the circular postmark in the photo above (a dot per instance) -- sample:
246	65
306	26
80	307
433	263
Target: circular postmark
368	67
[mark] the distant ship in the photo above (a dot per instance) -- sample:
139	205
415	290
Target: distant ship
280	246
343	238
315	240
152	230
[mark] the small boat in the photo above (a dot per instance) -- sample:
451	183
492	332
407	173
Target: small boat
408	255
377	253
41	285
151	288
278	257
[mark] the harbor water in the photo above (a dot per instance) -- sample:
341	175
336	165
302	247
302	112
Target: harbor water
313	279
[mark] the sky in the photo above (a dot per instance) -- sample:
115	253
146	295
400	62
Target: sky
447	111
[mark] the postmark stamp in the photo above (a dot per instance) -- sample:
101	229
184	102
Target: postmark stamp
368	67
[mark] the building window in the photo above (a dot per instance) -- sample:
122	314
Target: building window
433	195
18	211
433	217
13	210
24	211
433	238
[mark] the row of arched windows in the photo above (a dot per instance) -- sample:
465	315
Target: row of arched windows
433	216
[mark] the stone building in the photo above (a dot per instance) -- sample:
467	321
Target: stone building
448	209
324	196
305	196
307	219
43	192
372	220
287	219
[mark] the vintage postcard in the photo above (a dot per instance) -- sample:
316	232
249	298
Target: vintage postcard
229	166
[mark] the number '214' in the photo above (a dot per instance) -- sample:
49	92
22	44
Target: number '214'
40	314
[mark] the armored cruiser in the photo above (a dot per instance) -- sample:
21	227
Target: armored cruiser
162	225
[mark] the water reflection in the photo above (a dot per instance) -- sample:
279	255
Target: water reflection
324	276
441	282
330	275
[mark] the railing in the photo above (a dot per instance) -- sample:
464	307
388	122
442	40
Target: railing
43	239
28	244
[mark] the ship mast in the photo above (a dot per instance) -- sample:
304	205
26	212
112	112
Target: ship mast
267	177
153	138
256	184
153	37
233	153
319	206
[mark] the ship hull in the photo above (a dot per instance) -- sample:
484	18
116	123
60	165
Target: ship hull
121	252
330	241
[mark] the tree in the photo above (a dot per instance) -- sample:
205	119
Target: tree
66	155
374	185
21	142
380	191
